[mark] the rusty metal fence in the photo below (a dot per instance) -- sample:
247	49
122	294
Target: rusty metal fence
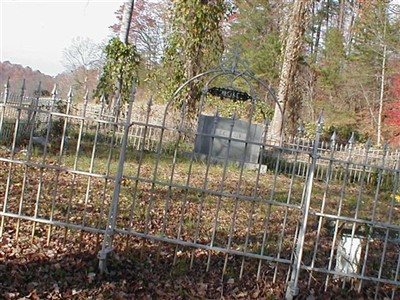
310	215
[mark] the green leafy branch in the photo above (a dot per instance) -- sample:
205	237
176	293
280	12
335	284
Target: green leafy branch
122	61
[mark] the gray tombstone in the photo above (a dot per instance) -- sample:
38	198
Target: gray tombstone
234	148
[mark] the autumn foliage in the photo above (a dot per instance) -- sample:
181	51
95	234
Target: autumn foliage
392	111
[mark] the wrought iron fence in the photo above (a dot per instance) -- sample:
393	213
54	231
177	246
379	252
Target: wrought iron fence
308	214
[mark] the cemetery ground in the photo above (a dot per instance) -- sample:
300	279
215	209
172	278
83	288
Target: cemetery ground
41	261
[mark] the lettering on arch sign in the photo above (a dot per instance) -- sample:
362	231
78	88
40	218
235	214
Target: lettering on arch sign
235	95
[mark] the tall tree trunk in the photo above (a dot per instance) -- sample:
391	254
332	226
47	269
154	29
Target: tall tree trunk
328	12
354	15
126	21
382	90
294	44
124	35
342	12
317	39
312	29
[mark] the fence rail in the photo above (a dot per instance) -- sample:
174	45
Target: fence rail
309	213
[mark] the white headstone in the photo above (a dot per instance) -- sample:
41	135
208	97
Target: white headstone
348	254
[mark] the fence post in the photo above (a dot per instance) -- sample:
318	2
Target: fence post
85	101
292	288
3	109
113	212
22	93
6	90
54	93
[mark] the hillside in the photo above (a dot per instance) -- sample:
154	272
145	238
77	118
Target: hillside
17	73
